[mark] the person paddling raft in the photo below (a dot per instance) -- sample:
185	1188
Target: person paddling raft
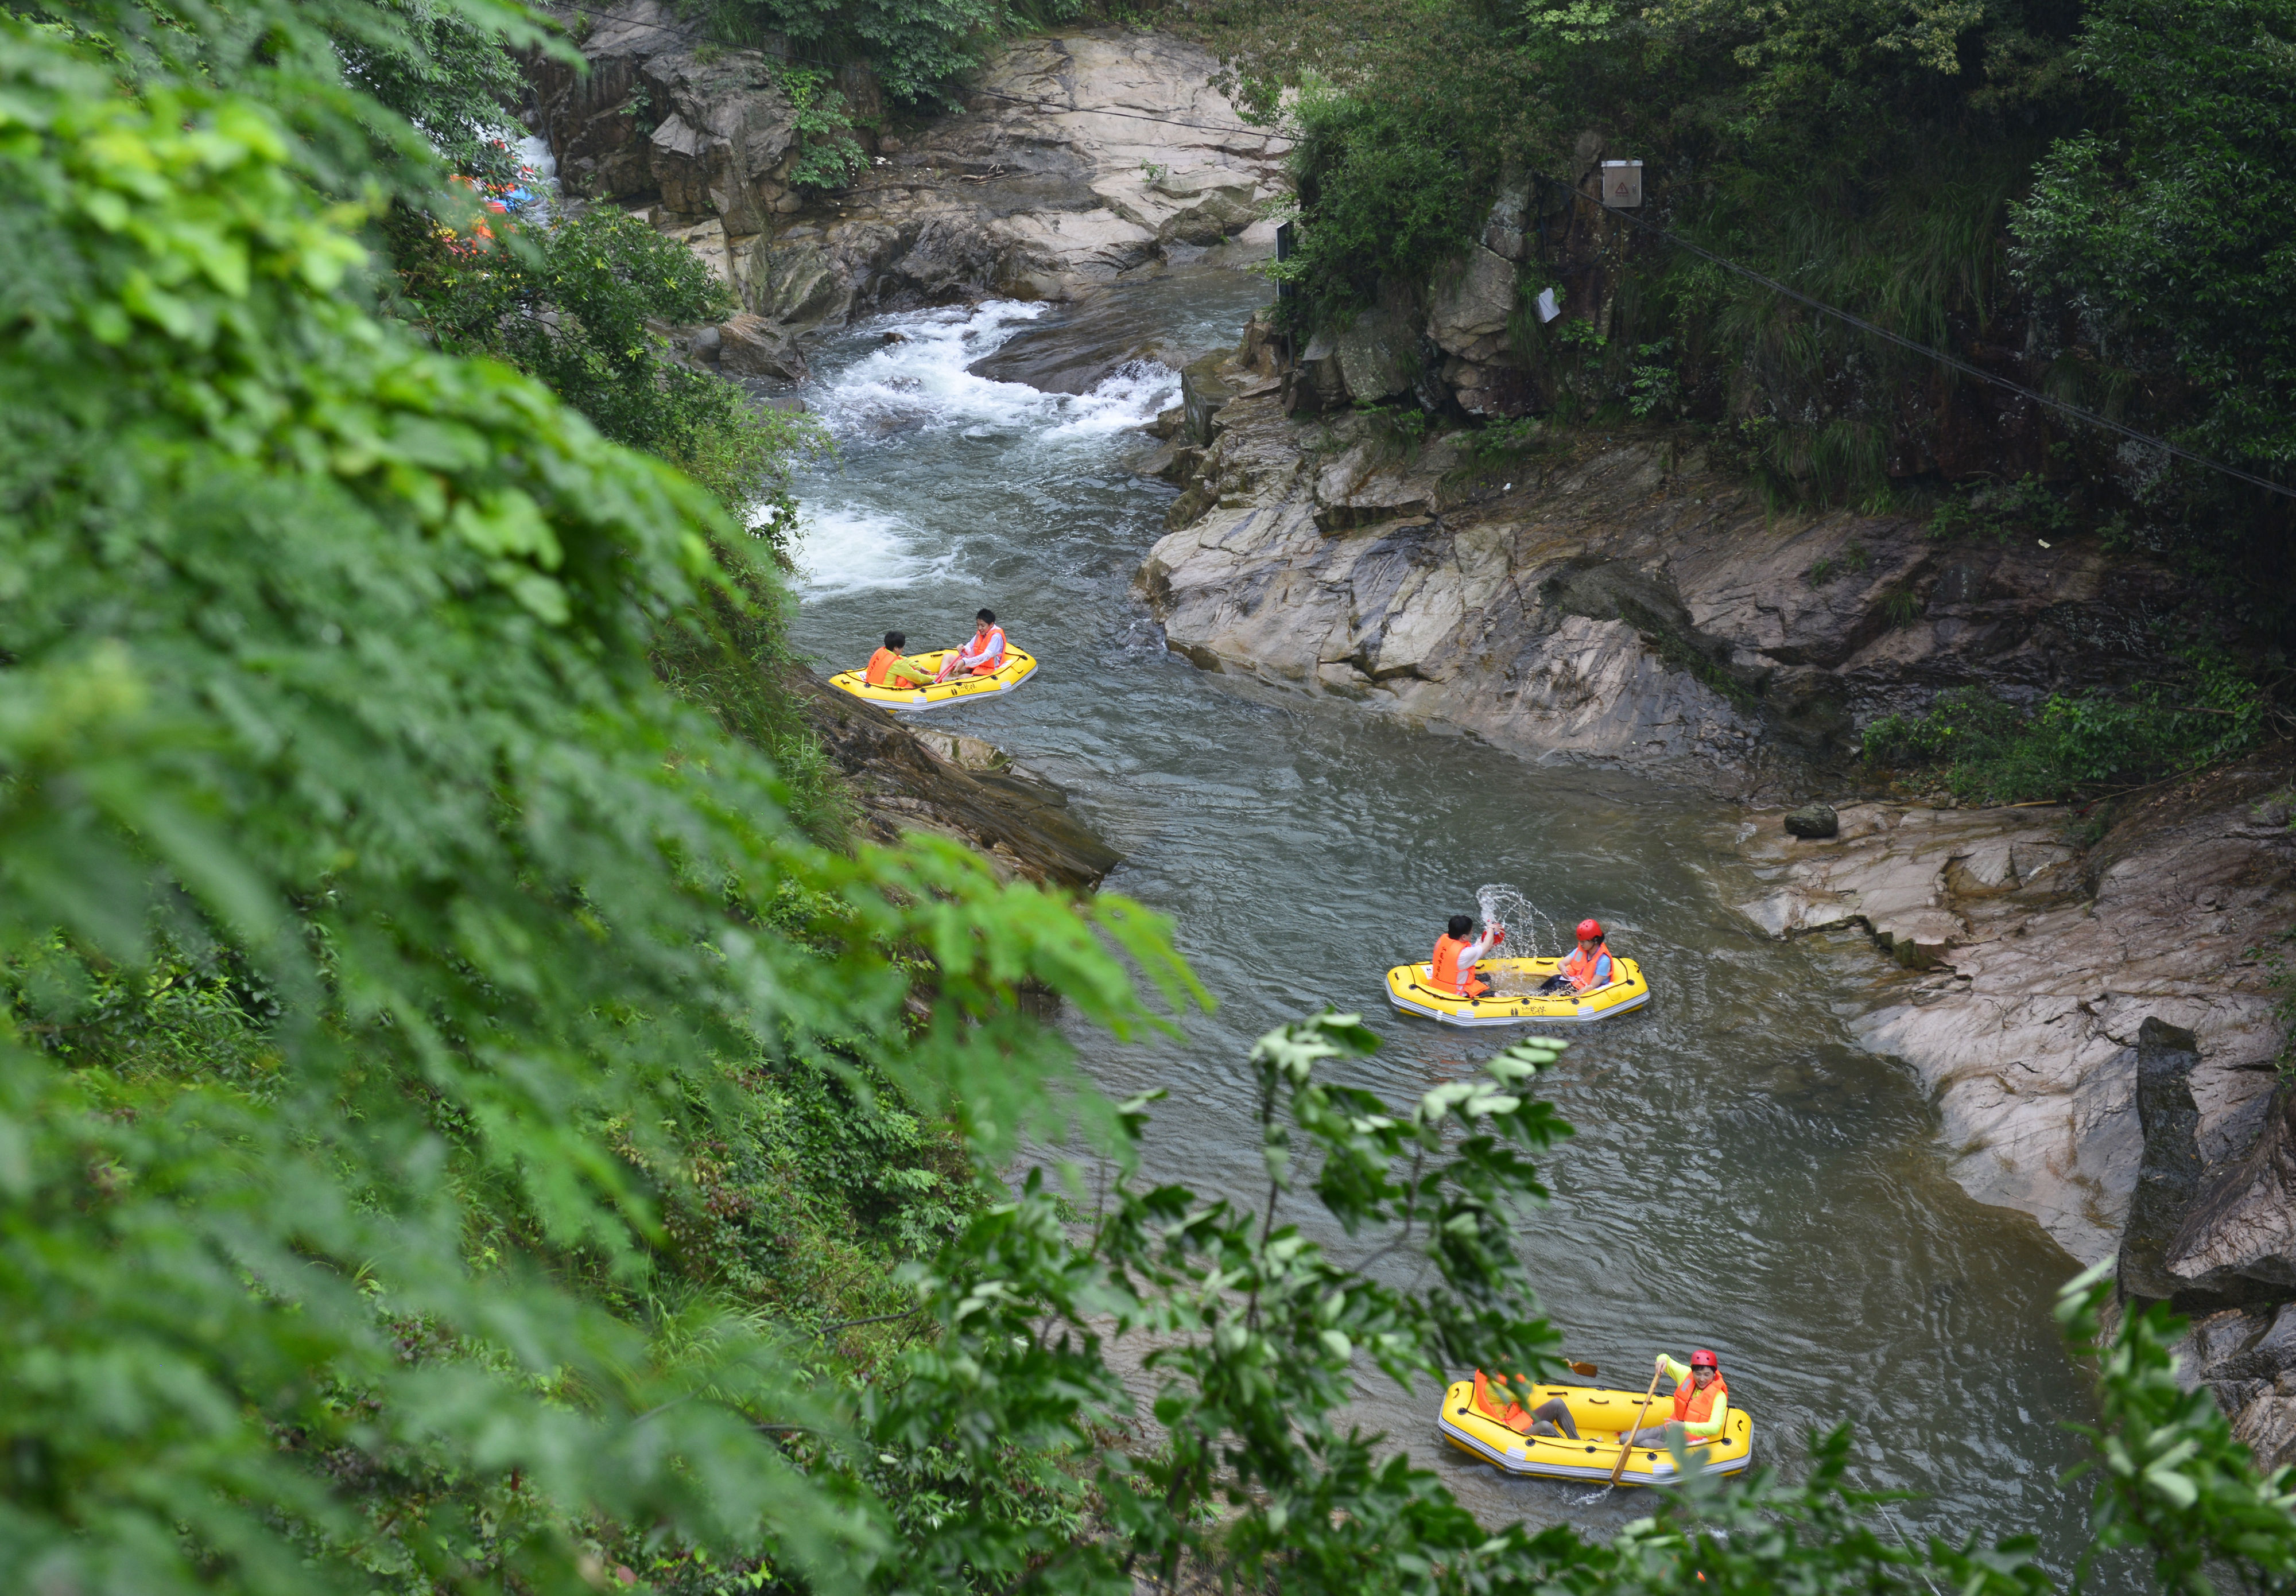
1585	967
1702	1403
984	656
1454	956
886	666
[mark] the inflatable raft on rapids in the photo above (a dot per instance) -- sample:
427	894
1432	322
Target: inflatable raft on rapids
1601	1416
1410	988
902	699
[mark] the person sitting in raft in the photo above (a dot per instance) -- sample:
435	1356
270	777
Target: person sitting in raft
1702	1403
1586	968
984	656
886	666
1455	957
1549	1418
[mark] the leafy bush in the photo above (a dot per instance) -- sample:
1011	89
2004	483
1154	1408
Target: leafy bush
1385	197
1992	751
918	48
570	303
333	652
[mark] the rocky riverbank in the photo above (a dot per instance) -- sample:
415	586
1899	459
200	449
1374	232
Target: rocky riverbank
2098	1026
1079	155
906	778
1620	597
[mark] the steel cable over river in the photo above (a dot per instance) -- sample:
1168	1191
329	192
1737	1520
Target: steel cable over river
1743	1177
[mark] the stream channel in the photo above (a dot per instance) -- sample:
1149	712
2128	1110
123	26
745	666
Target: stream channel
1742	1176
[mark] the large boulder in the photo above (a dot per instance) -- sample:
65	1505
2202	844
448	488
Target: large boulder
1214	203
1203	393
595	115
2241	1231
801	287
729	140
750	346
1471	302
1814	821
1378	353
1315	382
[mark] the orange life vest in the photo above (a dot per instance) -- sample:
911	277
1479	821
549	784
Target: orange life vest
880	673
993	661
1692	1405
1448	977
1581	967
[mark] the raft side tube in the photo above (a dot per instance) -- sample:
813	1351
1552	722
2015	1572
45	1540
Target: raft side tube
902	699
1600	1415
1410	990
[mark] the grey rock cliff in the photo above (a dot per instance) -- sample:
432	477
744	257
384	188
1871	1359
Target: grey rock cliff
1618	599
1077	157
2033	970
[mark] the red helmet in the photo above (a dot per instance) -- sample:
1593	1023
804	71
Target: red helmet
1704	1359
1590	931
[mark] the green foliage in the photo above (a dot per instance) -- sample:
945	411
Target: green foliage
2170	1476
332	651
1389	194
917	48
2162	231
455	1129
1992	751
569	303
828	154
2026	507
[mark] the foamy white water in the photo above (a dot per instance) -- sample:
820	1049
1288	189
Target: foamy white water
918	380
852	548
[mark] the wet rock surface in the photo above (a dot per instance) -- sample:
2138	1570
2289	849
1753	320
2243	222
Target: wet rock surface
918	779
2097	1023
2034	963
1614	599
1077	157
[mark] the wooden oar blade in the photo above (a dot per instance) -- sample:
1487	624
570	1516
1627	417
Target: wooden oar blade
1585	1370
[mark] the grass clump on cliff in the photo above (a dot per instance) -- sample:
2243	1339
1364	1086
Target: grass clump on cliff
1984	748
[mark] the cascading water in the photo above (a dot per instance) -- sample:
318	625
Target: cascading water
1743	1176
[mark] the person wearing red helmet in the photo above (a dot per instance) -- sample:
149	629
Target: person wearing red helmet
1586	968
1702	1401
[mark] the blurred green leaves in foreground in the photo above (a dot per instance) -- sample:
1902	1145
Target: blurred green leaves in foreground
402	984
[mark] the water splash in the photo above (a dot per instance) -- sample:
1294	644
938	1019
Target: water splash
1531	934
852	548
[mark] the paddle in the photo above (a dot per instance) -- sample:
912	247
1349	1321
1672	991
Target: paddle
1626	1441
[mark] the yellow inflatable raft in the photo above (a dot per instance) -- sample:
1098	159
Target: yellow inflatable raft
901	698
1409	989
1601	1416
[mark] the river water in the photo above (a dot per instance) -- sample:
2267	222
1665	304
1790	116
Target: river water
1743	1177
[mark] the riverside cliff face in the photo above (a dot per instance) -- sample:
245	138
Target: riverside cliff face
1611	599
2100	1030
1078	156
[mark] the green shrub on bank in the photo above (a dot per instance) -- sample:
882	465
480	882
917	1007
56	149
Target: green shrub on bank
1987	749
